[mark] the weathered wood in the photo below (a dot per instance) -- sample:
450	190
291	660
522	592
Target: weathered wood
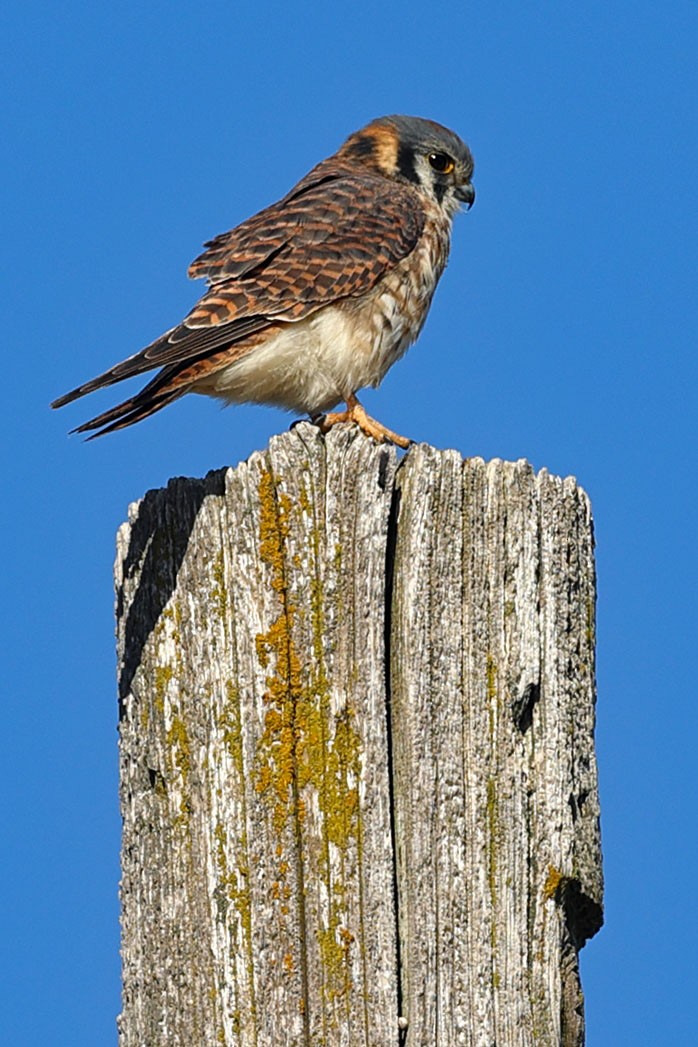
492	696
357	699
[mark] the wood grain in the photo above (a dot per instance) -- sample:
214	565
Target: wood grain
357	770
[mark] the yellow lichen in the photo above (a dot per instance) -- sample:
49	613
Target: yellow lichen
162	675
339	797
178	739
591	622
230	724
278	749
179	760
305	499
552	882
335	943
303	745
144	716
235	883
492	814
491	678
219	593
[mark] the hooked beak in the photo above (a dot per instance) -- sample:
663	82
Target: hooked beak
466	194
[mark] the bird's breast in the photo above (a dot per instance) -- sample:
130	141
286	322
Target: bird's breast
315	363
404	296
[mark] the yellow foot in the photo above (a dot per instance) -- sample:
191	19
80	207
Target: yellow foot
356	413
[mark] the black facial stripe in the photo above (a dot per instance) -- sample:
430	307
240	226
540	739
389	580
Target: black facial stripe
440	189
405	164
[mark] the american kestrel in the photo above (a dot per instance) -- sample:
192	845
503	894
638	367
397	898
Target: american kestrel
318	295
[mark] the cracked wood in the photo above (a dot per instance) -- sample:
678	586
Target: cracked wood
358	778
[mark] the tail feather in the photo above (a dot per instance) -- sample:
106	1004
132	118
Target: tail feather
171	382
128	412
180	345
136	364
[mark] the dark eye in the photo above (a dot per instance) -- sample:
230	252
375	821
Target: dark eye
441	163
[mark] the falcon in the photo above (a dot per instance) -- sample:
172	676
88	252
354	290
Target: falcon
316	296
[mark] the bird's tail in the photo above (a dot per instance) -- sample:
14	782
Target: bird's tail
169	384
136	364
129	412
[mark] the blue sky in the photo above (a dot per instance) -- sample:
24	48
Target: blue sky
564	331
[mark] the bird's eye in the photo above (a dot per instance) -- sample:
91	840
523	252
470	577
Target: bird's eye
441	163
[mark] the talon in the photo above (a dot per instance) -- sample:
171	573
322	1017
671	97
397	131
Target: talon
355	413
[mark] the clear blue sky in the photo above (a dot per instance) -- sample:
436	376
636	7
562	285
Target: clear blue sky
563	331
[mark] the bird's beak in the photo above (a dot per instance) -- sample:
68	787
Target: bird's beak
466	193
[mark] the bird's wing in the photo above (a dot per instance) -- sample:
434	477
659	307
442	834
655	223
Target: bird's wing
332	237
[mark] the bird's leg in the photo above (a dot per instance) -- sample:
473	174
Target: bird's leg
356	413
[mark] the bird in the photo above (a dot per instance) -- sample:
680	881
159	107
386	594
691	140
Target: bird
315	297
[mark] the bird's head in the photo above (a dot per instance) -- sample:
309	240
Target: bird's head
420	152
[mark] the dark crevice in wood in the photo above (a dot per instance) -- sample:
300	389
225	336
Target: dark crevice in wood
522	707
583	916
390	548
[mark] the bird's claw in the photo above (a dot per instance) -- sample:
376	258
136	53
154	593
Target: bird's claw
356	413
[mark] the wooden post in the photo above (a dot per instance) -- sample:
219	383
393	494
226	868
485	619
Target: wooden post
358	780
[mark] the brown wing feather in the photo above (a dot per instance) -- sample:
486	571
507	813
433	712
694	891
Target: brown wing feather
335	240
333	236
250	244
